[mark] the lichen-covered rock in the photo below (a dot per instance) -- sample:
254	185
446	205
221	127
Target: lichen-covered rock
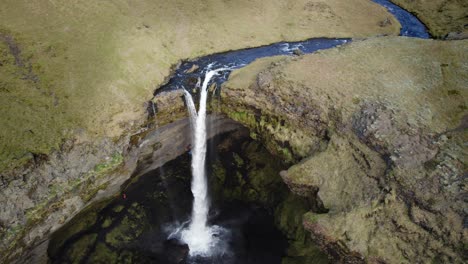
288	217
168	107
40	199
291	128
387	118
345	162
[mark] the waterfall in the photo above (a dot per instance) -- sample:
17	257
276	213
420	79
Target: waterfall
192	112
198	235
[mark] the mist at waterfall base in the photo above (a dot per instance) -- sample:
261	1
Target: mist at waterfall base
203	240
242	232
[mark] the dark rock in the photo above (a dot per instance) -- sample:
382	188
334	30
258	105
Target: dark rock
176	252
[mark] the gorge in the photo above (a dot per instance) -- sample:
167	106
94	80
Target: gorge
354	153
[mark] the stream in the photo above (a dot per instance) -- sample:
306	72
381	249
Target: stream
189	72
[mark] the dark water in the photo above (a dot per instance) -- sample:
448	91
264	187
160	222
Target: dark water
245	188
240	58
411	26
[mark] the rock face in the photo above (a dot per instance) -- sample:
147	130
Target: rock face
42	201
45	195
380	127
245	190
74	78
444	18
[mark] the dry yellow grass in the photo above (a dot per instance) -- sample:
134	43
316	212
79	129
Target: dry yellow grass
441	16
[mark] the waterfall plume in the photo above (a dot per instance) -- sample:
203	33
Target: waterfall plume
199	236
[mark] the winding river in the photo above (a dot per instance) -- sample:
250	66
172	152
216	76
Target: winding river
189	72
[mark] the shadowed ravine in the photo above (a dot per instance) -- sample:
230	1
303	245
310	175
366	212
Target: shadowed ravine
246	200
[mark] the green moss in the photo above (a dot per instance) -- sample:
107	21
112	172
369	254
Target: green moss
263	128
453	92
115	160
239	161
59	192
254	178
81	248
311	217
288	218
106	223
243	117
81	222
103	254
130	228
219	172
118	208
286	153
91	183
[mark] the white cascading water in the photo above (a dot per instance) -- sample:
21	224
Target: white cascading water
192	112
199	236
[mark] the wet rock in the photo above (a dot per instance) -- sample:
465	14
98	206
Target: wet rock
298	52
176	252
193	68
165	143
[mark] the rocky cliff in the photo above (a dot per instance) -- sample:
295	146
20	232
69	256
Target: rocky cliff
75	76
379	127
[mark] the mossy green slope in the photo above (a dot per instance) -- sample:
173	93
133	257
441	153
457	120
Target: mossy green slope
391	115
85	68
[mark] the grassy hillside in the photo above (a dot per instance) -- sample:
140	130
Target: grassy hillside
85	68
441	16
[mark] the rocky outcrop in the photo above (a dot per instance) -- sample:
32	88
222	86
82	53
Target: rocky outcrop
43	197
170	141
41	201
378	126
444	18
